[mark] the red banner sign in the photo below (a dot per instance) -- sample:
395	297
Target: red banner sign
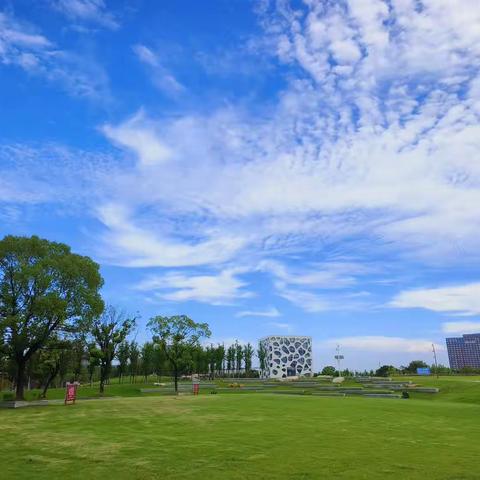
71	393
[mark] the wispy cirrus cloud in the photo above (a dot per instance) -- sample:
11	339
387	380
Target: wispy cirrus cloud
287	327
269	312
22	45
160	76
87	11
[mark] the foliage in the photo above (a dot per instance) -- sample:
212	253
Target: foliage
52	359
177	336
108	332
44	290
329	370
238	356
147	359
413	365
230	358
247	355
386	371
262	355
123	356
8	396
134	357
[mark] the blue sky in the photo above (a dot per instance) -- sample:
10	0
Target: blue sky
268	167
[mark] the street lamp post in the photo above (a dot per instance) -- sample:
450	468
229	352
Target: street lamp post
338	357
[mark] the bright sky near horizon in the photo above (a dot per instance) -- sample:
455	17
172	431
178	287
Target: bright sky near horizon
269	167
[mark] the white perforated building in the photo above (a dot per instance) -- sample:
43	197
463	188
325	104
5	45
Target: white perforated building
286	356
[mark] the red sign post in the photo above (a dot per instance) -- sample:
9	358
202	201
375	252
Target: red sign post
71	393
196	387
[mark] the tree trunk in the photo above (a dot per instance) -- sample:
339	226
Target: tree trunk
175	372
20	380
47	384
102	379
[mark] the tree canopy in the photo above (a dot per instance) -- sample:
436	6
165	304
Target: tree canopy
45	289
178	336
108	332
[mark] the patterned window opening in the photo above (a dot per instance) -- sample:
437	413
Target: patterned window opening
287	356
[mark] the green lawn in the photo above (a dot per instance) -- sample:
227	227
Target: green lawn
248	436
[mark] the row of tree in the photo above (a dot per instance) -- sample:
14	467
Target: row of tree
390	370
53	321
54	325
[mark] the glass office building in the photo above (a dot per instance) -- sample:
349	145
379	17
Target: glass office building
464	352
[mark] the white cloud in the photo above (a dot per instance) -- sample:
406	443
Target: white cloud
23	46
460	328
90	11
308	301
327	275
161	77
384	344
220	289
281	326
269	312
458	299
19	43
373	139
140	137
125	243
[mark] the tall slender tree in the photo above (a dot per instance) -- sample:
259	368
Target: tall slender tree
262	356
230	359
147	359
123	356
220	358
247	355
134	357
238	356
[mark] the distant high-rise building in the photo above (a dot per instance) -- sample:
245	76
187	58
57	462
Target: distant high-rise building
464	352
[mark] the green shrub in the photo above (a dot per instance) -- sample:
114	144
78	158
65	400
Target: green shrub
8	396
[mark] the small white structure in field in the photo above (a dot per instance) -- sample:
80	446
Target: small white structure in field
287	356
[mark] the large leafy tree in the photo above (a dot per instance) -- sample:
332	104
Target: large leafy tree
45	290
413	365
178	336
108	332
329	370
386	371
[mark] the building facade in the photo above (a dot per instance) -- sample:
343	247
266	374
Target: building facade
464	352
286	356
